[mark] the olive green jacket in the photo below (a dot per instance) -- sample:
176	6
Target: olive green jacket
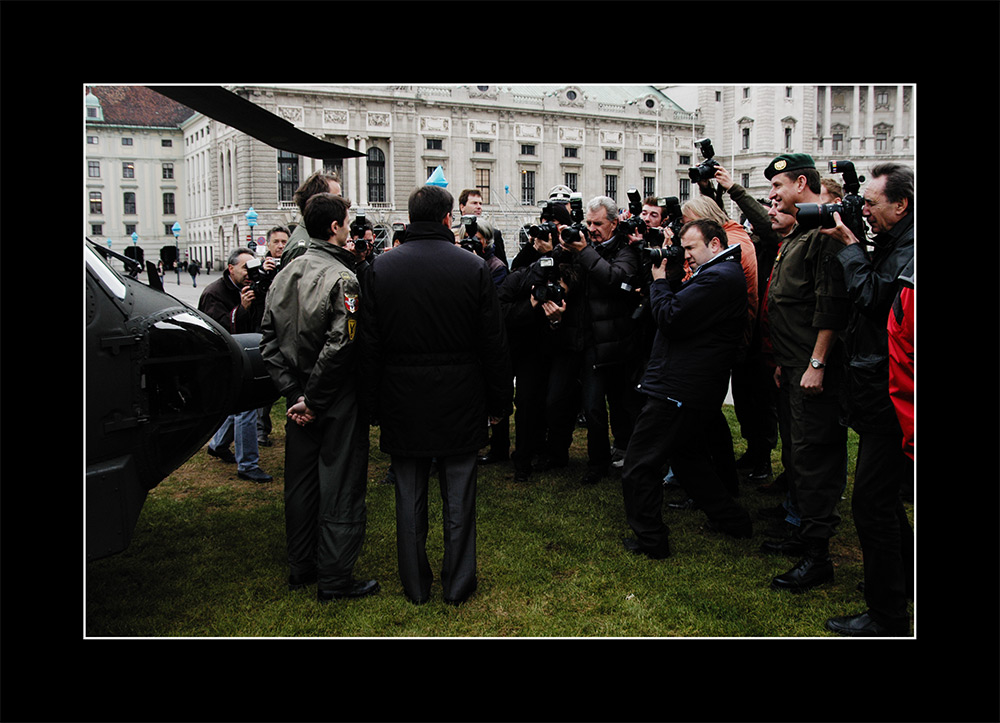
309	330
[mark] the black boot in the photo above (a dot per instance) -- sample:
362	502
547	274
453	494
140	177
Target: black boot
815	568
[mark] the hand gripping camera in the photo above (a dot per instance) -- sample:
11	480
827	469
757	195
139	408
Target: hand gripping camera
546	286
260	280
705	171
817	215
358	227
656	254
576	230
547	230
469	240
651	235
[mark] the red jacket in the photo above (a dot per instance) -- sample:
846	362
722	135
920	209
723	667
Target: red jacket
901	363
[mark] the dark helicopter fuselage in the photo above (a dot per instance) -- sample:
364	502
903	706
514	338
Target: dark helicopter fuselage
160	379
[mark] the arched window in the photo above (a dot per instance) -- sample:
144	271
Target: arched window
376	176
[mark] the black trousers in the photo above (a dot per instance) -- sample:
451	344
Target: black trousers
817	452
666	431
457	475
755	404
608	390
545	406
883	527
326	471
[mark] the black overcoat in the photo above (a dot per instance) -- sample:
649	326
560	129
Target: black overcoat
435	347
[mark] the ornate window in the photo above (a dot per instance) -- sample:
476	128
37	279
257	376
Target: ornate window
376	175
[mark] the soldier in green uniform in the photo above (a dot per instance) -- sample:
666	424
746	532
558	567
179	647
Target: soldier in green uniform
808	307
308	342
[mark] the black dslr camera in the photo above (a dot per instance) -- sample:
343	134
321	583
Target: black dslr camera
705	171
547	286
634	223
260	280
398	231
577	229
820	215
358	227
658	252
469	241
651	235
547	230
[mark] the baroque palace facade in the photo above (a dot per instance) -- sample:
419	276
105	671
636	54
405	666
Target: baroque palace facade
151	163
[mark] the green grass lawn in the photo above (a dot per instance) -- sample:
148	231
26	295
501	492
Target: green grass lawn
208	559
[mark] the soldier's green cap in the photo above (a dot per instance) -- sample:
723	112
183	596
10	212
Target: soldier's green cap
789	162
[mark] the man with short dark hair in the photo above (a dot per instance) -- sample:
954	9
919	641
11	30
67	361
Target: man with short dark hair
699	328
470	203
309	345
322	181
233	302
807	309
653	213
439	372
883	468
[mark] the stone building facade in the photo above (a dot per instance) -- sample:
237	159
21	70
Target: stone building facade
513	143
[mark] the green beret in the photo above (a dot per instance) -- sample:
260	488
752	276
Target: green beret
788	162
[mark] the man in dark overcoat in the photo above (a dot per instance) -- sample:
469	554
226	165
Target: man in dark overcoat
437	355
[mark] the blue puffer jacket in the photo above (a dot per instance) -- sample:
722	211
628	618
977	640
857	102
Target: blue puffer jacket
698	332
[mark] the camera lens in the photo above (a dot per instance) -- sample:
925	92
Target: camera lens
817	215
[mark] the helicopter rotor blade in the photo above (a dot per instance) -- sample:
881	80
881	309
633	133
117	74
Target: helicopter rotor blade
234	110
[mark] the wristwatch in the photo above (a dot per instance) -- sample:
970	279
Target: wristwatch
817	364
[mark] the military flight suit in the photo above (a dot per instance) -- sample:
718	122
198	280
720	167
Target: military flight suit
308	342
297	244
807	294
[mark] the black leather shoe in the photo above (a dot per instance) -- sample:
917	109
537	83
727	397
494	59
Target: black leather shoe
459	601
809	572
492	458
863	626
660	552
255	475
222	454
594	475
522	476
357	588
297	582
759	474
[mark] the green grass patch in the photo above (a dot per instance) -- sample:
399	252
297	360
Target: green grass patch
208	559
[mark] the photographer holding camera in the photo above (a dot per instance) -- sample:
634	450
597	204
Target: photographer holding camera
884	470
476	235
470	203
542	314
754	393
277	239
235	303
699	327
608	267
